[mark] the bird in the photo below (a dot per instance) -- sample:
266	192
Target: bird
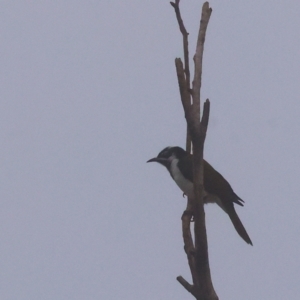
217	189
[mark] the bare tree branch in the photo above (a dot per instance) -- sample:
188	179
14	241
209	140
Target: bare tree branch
197	253
185	35
189	247
185	284
184	93
205	16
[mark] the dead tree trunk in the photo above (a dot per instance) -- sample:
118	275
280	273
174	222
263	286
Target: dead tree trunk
197	250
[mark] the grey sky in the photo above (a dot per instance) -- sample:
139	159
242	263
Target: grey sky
89	93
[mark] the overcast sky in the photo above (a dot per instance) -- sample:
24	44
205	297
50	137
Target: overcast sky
89	93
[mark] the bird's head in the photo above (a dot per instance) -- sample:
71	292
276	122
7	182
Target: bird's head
166	156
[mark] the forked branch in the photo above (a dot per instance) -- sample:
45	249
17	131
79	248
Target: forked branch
197	251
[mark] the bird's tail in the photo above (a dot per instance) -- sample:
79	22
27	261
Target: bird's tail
239	226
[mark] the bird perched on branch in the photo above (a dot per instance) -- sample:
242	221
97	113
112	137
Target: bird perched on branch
216	188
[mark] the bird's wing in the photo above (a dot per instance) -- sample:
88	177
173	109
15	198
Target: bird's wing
216	184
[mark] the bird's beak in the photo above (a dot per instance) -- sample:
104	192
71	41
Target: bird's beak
164	161
153	159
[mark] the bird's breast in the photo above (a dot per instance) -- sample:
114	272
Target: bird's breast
184	184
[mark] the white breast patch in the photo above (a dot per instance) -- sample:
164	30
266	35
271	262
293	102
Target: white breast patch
185	185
